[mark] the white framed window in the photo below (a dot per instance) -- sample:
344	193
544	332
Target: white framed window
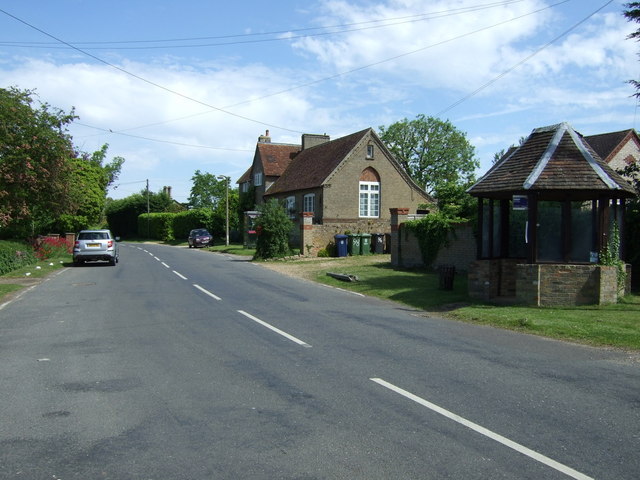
257	179
290	204
370	151
309	203
244	187
370	199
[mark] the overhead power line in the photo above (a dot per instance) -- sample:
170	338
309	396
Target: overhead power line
348	72
145	80
521	62
251	37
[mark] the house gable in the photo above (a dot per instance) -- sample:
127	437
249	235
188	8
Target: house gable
334	170
617	149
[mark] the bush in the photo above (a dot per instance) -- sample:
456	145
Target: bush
51	247
273	227
15	255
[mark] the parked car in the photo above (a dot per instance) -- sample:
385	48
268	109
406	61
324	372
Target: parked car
199	237
94	245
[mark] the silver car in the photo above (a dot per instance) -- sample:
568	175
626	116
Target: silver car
92	245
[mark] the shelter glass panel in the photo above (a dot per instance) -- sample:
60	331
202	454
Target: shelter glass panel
517	233
582	232
550	232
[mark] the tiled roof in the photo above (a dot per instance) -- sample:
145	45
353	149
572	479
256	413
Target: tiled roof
606	143
312	166
276	157
246	176
554	158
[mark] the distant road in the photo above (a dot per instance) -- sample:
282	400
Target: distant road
182	364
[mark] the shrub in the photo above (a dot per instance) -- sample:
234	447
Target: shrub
273	227
431	232
51	247
14	255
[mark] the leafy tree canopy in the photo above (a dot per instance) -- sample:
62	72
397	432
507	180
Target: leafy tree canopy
434	153
34	152
207	191
44	183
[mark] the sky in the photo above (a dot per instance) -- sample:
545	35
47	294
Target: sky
179	87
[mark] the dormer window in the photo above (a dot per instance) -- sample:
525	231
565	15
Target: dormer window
370	151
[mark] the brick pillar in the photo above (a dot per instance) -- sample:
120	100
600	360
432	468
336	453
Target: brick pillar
306	234
398	217
71	240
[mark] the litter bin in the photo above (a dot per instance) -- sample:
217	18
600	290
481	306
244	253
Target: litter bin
446	274
365	244
341	245
354	244
377	242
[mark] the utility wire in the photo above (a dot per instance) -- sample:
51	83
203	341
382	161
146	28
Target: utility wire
344	28
521	62
348	72
163	141
138	77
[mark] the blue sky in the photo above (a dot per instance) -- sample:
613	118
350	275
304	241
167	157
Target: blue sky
175	87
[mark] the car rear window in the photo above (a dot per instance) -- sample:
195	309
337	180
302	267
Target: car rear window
93	236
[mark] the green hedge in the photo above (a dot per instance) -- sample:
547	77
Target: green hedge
15	255
158	225
186	221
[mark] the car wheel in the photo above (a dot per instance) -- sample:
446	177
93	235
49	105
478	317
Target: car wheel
112	262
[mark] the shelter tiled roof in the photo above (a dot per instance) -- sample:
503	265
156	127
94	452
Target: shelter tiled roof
554	158
312	166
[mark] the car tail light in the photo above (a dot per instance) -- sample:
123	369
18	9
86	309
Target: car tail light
110	244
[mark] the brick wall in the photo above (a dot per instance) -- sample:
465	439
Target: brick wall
566	285
460	251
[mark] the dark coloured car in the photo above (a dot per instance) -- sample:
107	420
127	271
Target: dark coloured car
93	245
200	237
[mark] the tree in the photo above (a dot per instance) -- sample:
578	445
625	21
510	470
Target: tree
35	171
434	153
207	191
44	184
632	13
273	227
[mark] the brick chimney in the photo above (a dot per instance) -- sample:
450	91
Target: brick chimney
312	139
264	138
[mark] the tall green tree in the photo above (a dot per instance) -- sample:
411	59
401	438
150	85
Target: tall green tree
207	191
35	172
435	154
45	185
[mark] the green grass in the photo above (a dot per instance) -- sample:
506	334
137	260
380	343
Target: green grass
41	268
612	325
6	289
411	287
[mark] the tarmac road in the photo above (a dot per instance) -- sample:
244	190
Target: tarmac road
181	364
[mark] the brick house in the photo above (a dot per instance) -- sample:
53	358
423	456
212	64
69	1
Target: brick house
616	149
347	184
270	160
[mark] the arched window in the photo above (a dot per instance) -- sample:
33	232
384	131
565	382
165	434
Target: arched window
369	193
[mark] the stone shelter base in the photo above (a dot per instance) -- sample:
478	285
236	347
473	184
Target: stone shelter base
544	284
